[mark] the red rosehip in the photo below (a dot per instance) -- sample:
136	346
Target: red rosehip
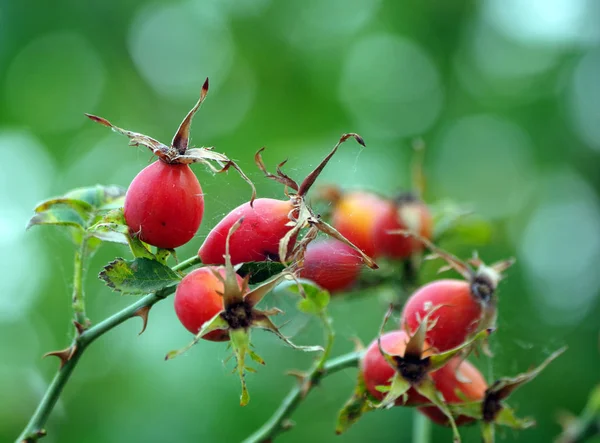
462	307
270	223
407	213
257	239
331	264
458	382
356	215
164	205
378	372
457	318
199	298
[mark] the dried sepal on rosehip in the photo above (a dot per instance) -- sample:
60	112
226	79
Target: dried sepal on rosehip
395	370
239	315
273	225
491	409
164	204
468	306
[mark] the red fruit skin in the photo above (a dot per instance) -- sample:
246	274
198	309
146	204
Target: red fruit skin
164	205
458	317
377	371
356	215
257	239
197	300
447	383
331	264
397	246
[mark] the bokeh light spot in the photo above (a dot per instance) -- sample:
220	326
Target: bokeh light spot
584	99
53	80
314	24
391	86
486	161
560	249
545	21
23	188
175	47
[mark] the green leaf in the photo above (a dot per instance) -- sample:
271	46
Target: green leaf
60	216
315	301
355	407
77	208
261	270
111	227
139	276
240	342
98	196
460	224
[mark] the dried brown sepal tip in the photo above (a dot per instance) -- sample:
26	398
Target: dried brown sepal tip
63	355
302	215
492	409
179	151
240	315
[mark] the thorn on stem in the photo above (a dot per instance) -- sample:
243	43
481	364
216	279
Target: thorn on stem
79	327
64	355
143	314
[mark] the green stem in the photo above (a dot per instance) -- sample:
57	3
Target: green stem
329	338
587	425
421	428
78	301
277	423
35	428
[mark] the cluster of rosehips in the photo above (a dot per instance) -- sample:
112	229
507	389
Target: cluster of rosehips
422	363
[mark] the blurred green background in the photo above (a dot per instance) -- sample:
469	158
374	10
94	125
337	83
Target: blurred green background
505	93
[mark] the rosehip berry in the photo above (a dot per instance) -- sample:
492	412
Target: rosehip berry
458	382
257	239
164	205
406	213
463	307
272	226
377	371
356	215
331	264
199	298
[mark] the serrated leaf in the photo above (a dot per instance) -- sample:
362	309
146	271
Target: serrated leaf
260	271
139	276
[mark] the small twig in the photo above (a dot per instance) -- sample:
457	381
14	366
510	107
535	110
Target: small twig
35	428
587	425
277	423
421	428
78	301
